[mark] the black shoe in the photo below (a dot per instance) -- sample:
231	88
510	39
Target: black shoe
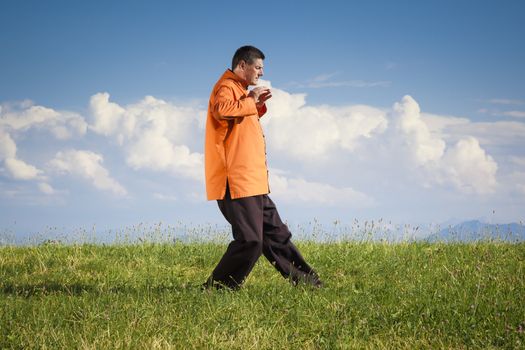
318	284
212	284
311	279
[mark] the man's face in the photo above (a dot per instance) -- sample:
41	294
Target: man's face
253	71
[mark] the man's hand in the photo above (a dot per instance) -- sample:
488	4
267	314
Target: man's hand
261	94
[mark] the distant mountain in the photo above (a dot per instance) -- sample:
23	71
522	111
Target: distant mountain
475	230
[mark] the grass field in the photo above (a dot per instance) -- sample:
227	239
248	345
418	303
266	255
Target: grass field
377	295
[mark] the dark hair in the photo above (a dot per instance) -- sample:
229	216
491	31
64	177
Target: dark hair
247	54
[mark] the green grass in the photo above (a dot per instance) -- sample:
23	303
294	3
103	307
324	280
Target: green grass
377	295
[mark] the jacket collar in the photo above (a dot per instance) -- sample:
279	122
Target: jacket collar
229	74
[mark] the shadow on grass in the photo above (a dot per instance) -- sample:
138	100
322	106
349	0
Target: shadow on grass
39	289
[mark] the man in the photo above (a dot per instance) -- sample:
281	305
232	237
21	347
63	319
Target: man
237	177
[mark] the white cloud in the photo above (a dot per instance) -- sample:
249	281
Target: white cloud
316	131
439	124
165	197
325	77
153	133
345	83
16	168
108	116
424	146
46	188
490	133
465	165
498	113
20	170
469	167
360	156
20	117
24	193
325	81
23	116
87	165
506	101
298	189
515	114
418	140
156	152
7	146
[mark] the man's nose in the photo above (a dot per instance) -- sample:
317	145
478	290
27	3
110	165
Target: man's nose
261	72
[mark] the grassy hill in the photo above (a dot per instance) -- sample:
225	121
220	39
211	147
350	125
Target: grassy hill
377	295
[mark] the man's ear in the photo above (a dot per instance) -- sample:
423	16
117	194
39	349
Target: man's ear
242	64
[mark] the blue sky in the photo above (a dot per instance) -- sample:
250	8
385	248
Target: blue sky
409	111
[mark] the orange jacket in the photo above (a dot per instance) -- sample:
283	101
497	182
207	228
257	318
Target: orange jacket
234	148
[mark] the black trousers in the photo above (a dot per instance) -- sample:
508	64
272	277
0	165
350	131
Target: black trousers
257	229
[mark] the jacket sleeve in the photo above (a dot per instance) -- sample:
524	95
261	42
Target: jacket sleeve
226	107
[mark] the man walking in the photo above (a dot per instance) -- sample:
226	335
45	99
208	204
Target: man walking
237	177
